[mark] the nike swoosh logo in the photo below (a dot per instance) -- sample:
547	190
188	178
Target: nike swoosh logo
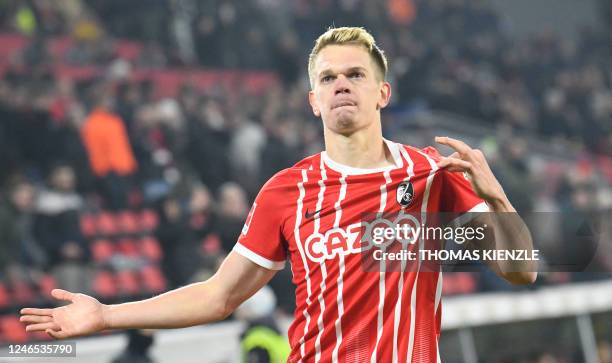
310	215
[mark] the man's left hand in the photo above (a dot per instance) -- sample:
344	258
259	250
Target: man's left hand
473	164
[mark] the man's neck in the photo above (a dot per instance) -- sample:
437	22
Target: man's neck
365	150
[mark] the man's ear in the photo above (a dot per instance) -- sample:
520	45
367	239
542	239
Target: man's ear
313	103
385	95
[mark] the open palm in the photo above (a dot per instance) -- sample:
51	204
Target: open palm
84	315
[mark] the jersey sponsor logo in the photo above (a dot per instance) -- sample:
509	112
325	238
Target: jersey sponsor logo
249	218
362	236
334	242
405	193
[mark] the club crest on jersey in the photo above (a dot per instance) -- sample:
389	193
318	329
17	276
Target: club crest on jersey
405	194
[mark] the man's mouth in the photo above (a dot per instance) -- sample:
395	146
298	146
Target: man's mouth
343	104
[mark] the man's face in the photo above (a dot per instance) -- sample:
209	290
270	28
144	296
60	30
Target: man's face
23	197
63	178
348	92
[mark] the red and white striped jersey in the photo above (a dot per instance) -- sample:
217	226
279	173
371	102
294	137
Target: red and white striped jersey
310	214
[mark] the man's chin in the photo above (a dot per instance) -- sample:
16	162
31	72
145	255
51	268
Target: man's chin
345	125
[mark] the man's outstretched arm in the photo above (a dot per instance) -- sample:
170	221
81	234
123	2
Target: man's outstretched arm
199	303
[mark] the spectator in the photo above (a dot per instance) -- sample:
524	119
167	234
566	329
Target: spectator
262	339
185	221
233	209
247	142
57	228
110	153
207	148
8	240
23	256
513	174
278	152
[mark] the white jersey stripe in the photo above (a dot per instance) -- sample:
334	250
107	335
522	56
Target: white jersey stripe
413	295
438	290
400	285
381	281
296	231
317	222
436	306
340	282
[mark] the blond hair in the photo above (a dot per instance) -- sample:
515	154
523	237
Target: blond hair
348	36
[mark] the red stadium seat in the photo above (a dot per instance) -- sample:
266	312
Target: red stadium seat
153	279
458	283
151	249
12	329
148	220
4	296
128	49
104	284
106	224
12	44
22	292
128	222
46	284
128	247
102	250
88	225
128	282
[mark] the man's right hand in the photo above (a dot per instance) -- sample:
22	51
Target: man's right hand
212	300
84	315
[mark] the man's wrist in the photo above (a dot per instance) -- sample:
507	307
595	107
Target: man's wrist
500	204
106	317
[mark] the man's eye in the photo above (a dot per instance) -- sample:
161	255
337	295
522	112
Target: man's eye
326	79
356	75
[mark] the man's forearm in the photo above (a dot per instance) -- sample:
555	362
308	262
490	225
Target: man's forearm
194	304
511	233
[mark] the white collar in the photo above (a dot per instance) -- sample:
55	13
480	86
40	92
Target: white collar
349	170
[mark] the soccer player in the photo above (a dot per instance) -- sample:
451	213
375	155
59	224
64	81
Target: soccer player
309	214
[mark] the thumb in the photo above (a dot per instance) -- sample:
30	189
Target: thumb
62	295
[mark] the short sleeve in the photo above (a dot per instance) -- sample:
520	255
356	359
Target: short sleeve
458	195
459	198
261	239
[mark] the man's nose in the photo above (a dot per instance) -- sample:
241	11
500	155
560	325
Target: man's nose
341	85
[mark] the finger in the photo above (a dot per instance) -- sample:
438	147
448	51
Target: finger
41	326
30	319
56	334
457	169
33	311
453	161
460	146
62	294
453	164
454	155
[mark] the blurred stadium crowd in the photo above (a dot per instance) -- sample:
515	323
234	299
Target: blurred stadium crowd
134	135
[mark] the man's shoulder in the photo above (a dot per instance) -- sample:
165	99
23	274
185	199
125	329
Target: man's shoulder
294	174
